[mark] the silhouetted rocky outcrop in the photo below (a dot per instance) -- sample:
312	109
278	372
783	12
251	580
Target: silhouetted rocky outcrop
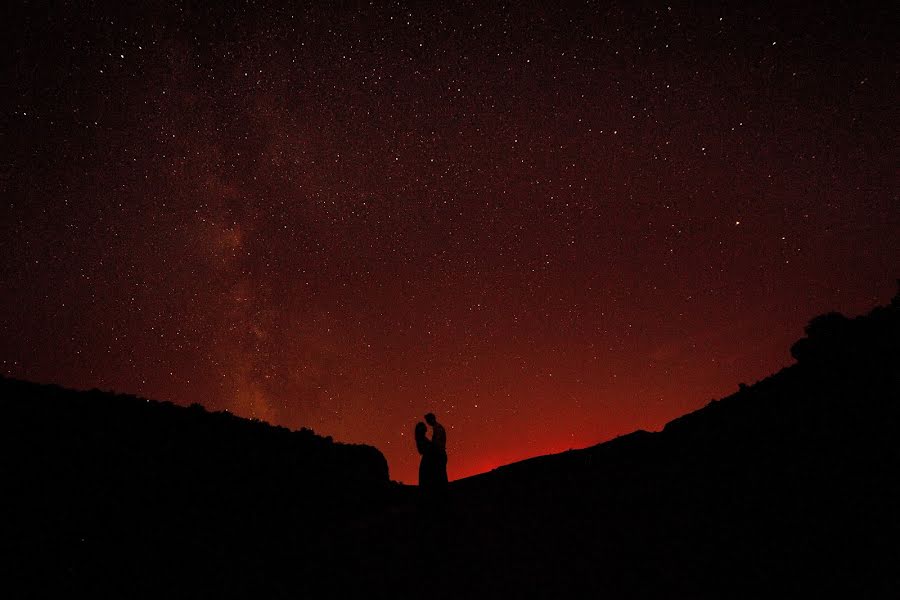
105	489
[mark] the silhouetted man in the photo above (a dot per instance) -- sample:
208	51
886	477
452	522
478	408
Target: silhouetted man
439	439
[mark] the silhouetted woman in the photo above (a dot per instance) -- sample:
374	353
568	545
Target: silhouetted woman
428	466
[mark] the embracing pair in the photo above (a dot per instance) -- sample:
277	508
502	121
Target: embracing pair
433	468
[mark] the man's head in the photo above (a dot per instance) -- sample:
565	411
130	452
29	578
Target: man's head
429	418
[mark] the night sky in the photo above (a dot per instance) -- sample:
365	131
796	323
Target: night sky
550	226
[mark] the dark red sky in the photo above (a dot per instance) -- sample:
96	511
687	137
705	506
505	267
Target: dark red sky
550	226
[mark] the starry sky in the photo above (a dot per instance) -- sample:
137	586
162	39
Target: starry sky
550	225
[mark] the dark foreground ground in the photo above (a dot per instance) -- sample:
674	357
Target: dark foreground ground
788	488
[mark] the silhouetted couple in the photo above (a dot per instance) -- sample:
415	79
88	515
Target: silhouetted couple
433	467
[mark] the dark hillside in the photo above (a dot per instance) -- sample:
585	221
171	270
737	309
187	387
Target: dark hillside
152	495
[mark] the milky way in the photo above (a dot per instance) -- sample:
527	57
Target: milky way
550	226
